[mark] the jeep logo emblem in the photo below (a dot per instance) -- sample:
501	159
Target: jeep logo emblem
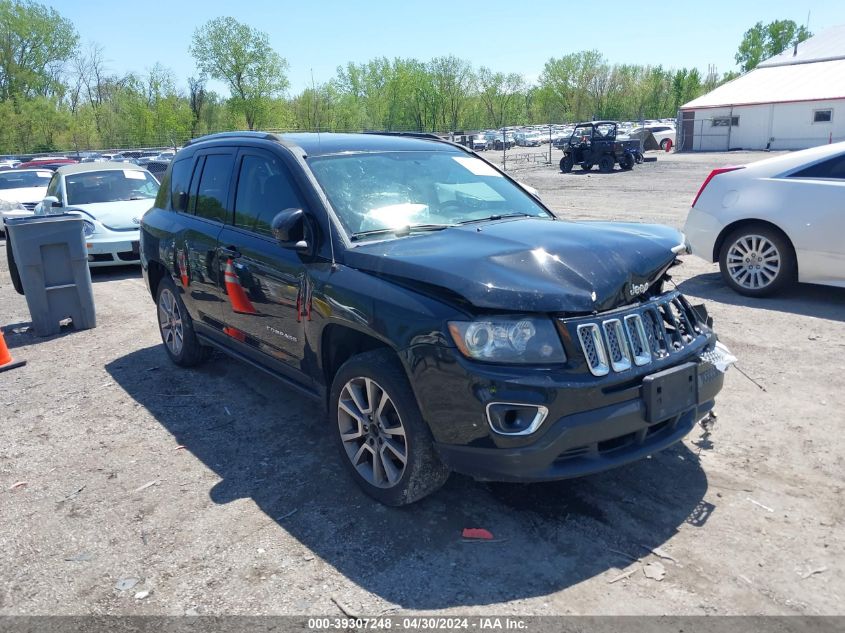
637	289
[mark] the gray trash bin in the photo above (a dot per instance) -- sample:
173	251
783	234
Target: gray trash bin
52	262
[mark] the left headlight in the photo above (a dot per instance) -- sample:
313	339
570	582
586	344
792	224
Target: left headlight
88	228
508	340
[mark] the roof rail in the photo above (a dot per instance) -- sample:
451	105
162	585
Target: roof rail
267	136
427	135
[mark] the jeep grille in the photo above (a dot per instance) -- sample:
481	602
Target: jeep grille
637	336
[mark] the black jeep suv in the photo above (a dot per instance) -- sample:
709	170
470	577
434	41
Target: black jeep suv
447	319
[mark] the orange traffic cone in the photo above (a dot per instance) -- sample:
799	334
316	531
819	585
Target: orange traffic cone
183	268
240	302
235	333
6	360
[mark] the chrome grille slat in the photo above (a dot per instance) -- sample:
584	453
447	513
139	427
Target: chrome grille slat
617	345
638	339
591	343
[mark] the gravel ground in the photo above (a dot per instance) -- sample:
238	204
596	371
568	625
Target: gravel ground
155	490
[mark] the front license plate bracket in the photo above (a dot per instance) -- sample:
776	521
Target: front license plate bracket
670	392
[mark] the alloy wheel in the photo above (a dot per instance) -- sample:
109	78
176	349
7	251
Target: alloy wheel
372	432
170	322
753	262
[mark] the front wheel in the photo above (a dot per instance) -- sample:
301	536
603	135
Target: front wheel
757	261
626	162
586	166
177	327
383	440
606	164
566	163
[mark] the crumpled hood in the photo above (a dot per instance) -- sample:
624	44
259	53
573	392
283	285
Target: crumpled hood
530	265
119	215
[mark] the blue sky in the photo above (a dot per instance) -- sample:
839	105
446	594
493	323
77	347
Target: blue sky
509	36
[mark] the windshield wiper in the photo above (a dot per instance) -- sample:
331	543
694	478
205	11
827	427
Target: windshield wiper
401	231
500	216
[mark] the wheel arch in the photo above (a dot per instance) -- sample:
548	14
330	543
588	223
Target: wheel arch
745	222
339	343
155	273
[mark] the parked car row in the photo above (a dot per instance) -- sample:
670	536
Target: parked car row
559	135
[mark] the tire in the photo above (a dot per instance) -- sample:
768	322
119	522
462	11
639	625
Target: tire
664	143
606	164
177	328
626	162
774	270
566	164
13	267
361	381
586	166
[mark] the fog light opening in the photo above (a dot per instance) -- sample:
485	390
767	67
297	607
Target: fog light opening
510	418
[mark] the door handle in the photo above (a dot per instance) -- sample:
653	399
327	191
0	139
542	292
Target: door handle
230	251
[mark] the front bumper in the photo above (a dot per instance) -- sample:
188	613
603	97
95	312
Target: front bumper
577	445
113	248
594	422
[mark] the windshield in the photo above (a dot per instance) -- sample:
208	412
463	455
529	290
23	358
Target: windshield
24	179
91	187
393	190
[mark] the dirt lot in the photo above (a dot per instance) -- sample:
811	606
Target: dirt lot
155	490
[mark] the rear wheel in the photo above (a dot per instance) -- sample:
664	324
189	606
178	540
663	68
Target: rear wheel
566	163
177	327
383	440
757	261
586	166
606	163
13	267
626	162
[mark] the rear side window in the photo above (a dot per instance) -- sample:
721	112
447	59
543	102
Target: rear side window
264	188
830	168
180	182
213	190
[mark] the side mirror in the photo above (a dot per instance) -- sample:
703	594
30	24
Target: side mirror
48	203
289	229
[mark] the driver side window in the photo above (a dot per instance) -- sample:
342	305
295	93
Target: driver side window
53	187
265	188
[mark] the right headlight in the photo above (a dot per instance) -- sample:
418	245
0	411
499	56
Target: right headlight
10	205
527	340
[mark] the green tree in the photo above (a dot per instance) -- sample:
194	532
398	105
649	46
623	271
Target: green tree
762	41
241	56
35	42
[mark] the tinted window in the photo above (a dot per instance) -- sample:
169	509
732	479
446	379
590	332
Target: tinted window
264	189
180	182
831	168
213	190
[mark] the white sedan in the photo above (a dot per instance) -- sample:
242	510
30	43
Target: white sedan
111	198
20	191
774	222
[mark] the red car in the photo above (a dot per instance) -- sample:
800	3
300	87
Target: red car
47	163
